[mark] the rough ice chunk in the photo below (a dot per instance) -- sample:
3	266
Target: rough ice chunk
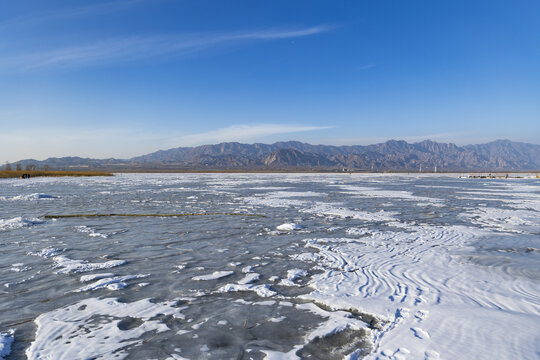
261	290
289	227
213	276
111	283
249	278
67	265
18	222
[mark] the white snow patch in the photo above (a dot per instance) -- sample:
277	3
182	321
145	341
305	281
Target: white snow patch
278	319
249	278
363	191
389	275
90	329
213	276
264	303
281	198
289	227
322	209
19	267
67	265
510	220
357	231
248	269
307	256
18	222
261	290
91	232
47	252
292	275
111	283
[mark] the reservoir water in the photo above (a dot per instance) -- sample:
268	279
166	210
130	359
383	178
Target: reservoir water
379	266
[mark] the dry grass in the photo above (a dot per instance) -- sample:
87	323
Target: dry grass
36	173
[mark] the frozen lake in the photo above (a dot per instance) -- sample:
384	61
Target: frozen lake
340	266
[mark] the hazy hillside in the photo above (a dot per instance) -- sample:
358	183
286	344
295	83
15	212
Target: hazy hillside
500	155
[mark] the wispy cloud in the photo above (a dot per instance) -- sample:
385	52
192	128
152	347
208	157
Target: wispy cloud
42	17
243	133
366	66
281	34
144	47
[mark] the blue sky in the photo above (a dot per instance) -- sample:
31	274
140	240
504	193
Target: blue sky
127	77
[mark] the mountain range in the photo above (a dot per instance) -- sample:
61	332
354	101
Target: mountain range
392	155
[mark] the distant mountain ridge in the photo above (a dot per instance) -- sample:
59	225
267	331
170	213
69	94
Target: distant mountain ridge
392	155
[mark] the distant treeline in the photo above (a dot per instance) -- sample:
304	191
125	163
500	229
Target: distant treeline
28	167
37	173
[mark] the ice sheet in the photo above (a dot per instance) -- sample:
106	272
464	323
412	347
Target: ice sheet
213	276
18	222
111	283
324	209
414	282
67	265
97	328
261	290
363	191
448	269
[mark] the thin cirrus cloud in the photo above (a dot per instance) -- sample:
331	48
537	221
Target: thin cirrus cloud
243	133
146	47
47	16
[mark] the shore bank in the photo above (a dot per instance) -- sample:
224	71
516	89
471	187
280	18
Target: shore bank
37	173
